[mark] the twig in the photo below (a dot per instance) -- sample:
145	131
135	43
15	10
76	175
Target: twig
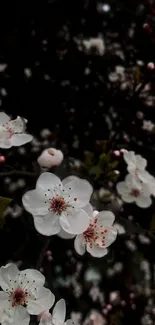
42	253
18	172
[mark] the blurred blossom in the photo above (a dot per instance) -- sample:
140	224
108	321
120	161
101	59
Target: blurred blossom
95	318
96	43
92	275
114	297
76	317
147	125
50	157
120	229
131	245
143	239
94	293
150	66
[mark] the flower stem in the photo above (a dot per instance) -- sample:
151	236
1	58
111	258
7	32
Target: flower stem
42	253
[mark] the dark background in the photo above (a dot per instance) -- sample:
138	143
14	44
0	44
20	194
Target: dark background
60	96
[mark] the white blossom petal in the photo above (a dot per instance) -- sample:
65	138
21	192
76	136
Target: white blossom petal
4	118
65	235
47	225
44	301
141	162
128	198
34	203
122	188
47	181
32	275
105	218
110	236
143	201
20	139
3	300
96	251
68	179
8	273
69	322
89	210
129	157
18	125
80	245
46	319
76	223
82	190
59	312
21	316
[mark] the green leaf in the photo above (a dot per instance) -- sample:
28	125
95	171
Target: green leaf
96	170
113	165
4	202
103	159
89	159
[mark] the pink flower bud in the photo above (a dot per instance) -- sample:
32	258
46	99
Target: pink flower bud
150	66
116	153
44	314
50	258
50	157
2	159
48	253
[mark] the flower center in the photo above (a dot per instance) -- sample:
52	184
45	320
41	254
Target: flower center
58	205
135	192
95	234
18	297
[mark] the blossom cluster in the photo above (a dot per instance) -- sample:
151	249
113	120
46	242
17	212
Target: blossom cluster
139	184
64	208
24	294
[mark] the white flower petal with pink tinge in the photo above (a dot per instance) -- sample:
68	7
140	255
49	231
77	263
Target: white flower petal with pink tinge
48	224
75	223
50	157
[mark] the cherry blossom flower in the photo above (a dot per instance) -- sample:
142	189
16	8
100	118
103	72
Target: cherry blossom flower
58	316
97	43
98	236
135	163
136	167
132	190
12	132
55	204
50	157
23	295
